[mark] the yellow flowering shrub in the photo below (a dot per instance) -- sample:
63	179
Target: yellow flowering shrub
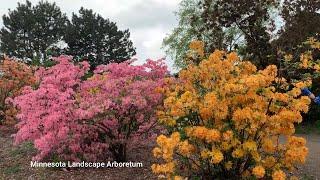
306	65
224	120
196	53
197	47
307	59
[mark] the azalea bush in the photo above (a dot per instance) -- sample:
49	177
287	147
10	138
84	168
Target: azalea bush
120	101
46	113
70	117
14	75
224	120
305	65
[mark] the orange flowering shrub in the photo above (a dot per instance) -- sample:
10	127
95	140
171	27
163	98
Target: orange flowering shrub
14	76
225	119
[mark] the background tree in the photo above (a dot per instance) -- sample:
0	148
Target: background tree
193	27
90	36
177	43
16	35
301	21
50	27
30	31
252	18
228	25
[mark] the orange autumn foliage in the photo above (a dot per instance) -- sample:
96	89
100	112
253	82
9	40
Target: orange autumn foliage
14	75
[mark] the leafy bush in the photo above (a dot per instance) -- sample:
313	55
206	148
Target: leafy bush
304	64
75	118
224	120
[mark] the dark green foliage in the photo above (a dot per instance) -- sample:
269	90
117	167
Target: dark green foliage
302	20
228	25
253	20
90	36
16	34
30	31
36	33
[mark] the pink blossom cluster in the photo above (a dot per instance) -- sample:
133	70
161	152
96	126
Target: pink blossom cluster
100	117
121	100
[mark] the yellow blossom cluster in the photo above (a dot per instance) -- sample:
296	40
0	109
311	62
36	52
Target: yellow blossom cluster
258	171
306	59
314	43
198	47
225	119
304	66
279	175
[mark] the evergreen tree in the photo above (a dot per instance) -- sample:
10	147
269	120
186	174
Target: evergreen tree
16	35
29	31
90	36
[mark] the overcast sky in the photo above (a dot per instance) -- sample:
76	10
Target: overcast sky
148	20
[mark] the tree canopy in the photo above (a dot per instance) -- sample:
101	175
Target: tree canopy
90	36
36	32
257	29
30	31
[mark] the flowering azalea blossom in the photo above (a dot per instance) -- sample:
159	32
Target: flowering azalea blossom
90	119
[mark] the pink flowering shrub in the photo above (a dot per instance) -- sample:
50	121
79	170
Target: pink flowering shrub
120	101
91	119
47	113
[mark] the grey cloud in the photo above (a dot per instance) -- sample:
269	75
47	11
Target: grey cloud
147	15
